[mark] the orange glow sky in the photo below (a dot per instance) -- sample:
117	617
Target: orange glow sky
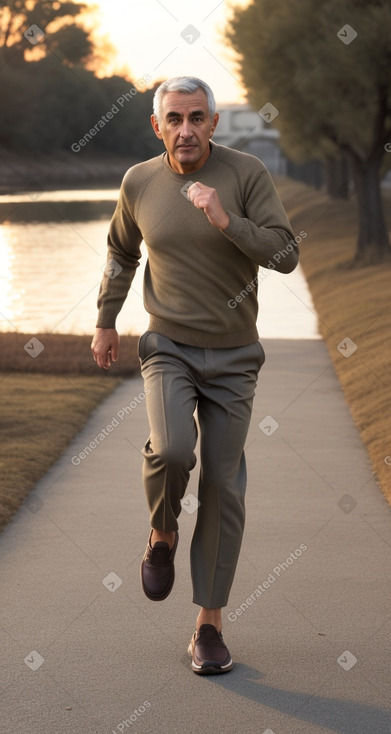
147	37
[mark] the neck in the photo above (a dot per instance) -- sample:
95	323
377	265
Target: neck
187	168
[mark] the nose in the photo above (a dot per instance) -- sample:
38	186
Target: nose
186	131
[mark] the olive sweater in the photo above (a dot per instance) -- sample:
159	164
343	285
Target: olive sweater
195	271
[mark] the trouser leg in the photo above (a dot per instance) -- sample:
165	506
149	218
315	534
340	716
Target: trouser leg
224	413
169	451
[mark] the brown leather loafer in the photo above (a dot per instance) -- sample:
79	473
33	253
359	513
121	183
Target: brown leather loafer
157	569
209	653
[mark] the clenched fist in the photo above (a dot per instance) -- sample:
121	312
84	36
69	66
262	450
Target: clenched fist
206	198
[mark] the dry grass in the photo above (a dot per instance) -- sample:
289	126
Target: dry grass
62	354
45	401
40	415
350	302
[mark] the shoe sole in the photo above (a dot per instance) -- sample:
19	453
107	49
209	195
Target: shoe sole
209	668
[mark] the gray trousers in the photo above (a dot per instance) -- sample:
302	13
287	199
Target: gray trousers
220	383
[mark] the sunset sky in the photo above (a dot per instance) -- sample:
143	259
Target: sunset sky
147	37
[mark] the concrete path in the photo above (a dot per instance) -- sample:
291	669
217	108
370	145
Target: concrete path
309	618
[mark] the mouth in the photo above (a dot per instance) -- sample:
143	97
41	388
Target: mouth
187	147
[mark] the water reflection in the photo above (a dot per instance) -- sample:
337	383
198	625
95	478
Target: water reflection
63	195
53	251
9	296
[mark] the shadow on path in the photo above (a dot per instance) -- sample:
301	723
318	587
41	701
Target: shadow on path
344	717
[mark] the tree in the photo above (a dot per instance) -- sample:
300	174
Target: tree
325	66
19	15
337	177
54	98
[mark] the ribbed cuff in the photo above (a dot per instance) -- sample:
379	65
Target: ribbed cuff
234	228
106	318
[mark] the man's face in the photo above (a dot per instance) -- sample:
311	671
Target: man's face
185	128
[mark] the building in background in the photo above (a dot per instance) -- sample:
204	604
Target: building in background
242	128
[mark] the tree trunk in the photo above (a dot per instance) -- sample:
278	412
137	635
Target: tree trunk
338	177
373	244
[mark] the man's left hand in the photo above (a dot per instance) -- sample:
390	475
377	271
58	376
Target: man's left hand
206	198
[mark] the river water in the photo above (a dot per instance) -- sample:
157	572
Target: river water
52	254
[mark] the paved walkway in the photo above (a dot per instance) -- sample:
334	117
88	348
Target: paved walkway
309	618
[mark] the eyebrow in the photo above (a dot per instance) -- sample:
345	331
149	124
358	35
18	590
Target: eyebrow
194	113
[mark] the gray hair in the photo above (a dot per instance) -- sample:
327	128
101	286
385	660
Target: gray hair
186	85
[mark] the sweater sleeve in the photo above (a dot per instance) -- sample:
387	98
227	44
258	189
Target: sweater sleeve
123	256
265	234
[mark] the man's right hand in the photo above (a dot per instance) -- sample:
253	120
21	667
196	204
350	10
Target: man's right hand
105	347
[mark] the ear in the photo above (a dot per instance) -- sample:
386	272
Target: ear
156	128
214	124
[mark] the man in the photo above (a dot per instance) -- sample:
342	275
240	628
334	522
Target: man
209	216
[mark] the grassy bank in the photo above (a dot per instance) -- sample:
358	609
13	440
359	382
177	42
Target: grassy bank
351	303
46	397
62	354
40	414
44	172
